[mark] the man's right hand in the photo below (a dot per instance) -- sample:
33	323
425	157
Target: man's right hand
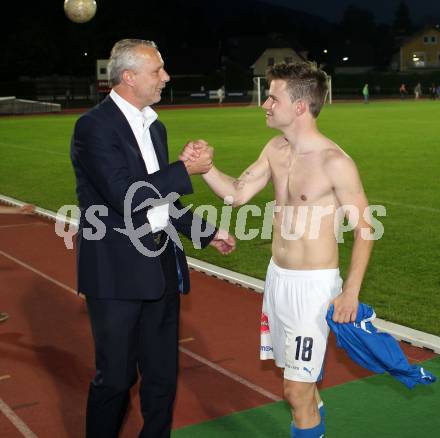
197	157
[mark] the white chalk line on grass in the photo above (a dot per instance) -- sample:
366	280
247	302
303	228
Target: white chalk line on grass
411	206
26	148
195	356
15	420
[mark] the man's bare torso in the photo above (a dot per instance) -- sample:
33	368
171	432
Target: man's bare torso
303	236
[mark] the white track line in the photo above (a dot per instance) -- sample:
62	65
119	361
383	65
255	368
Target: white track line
200	359
36	271
231	375
2	227
16	421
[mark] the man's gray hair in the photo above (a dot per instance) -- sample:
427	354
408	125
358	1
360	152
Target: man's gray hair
123	57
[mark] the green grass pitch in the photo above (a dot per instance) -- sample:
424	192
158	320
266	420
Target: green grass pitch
395	145
376	406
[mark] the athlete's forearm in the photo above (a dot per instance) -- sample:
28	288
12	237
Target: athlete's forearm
359	261
221	184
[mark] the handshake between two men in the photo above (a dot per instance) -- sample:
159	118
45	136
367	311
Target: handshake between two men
197	158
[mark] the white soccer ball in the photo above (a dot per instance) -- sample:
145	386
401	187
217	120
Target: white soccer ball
80	11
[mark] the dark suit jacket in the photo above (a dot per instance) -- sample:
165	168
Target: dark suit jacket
107	160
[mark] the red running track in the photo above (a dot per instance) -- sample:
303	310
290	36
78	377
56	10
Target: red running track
46	352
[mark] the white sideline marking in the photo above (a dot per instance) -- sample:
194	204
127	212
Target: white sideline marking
36	271
414	207
26	148
21	225
15	420
212	365
231	375
182	341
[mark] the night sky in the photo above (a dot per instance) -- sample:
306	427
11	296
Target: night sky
37	39
332	10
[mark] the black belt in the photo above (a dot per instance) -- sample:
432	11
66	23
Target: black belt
159	237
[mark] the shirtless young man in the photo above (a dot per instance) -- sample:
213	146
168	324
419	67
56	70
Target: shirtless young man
309	173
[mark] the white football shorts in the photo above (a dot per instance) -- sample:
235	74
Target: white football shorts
294	330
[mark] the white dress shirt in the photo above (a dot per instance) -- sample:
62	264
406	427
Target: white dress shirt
140	122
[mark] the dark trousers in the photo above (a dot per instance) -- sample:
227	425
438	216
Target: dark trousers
132	335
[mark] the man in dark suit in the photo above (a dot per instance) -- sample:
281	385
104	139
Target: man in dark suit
119	153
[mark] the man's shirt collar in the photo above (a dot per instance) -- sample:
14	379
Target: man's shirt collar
147	116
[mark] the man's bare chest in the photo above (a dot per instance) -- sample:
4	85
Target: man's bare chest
300	181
